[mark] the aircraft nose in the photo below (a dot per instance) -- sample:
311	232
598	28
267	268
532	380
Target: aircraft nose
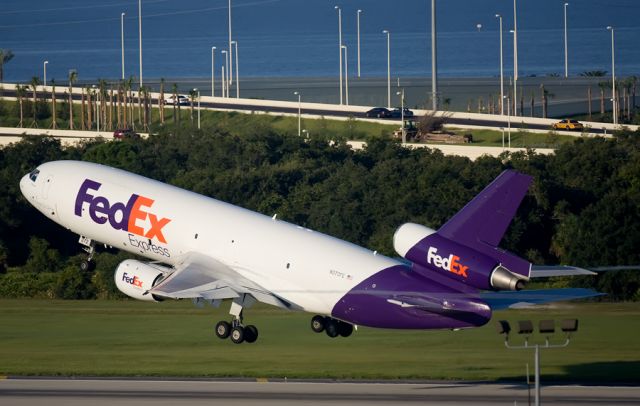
24	182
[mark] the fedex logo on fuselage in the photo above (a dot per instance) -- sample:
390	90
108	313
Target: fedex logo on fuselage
129	217
449	263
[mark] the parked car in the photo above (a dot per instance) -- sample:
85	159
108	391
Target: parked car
569	125
182	100
397	113
123	133
379	112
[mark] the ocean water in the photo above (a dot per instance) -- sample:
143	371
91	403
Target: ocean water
299	38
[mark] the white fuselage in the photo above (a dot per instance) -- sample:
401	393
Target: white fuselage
308	269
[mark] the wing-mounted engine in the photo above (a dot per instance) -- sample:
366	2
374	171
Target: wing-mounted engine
135	279
435	253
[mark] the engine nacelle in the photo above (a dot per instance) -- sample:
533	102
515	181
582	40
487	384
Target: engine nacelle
408	235
135	279
434	253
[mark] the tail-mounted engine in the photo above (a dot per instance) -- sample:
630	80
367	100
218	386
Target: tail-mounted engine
427	248
135	279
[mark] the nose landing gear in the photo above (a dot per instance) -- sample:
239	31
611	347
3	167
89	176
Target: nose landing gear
89	246
331	326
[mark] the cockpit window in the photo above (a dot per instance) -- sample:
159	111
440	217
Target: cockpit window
34	175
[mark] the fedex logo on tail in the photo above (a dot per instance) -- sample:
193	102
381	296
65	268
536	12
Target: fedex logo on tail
449	263
131	216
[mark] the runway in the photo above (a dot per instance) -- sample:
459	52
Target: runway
103	392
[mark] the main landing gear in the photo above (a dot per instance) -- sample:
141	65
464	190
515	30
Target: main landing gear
89	246
236	330
332	327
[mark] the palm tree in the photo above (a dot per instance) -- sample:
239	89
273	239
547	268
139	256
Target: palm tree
21	92
35	82
119	105
111	108
130	97
5	56
102	107
82	110
589	98
161	101
54	123
125	89
193	93
175	103
602	86
73	77
90	107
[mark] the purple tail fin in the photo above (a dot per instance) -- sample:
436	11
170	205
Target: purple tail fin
481	224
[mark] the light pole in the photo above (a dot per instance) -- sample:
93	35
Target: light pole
198	91
140	36
515	59
44	66
340	46
566	51
230	74
346	74
299	111
235	43
613	76
226	64
546	327
434	59
358	25
501	70
213	71
122	41
404	132
388	67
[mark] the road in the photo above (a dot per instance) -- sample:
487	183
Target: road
108	392
326	110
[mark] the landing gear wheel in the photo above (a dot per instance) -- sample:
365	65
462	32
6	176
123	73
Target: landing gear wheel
345	329
250	334
331	327
318	323
87	266
223	329
237	335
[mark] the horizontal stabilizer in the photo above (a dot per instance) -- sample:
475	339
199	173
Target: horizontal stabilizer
526	298
546	271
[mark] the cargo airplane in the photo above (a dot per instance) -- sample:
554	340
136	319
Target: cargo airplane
206	250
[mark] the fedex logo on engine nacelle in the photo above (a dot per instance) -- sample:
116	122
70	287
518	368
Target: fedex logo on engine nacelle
121	216
132	280
450	263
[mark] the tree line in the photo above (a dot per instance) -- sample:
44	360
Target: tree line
583	207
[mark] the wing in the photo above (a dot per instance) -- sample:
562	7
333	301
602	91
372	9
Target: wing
527	298
199	276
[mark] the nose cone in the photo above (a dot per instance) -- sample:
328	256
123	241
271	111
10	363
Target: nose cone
25	186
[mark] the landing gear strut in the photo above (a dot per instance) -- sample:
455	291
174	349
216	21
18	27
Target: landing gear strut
236	330
89	246
331	326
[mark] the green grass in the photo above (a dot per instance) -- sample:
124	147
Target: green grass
127	338
519	138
